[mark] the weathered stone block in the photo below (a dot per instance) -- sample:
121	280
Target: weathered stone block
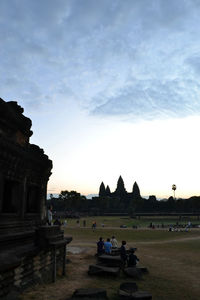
101	270
144	270
110	261
133	272
141	295
90	293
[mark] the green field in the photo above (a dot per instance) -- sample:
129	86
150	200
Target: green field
172	258
130	222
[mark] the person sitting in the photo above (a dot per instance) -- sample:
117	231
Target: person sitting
132	258
108	246
100	246
114	242
123	254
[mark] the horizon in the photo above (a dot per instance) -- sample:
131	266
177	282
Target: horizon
56	195
111	88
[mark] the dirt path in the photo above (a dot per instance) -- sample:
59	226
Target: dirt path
88	244
81	255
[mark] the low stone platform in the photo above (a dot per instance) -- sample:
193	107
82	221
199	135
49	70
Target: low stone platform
109	260
101	270
116	251
133	272
90	293
144	270
85	298
127	289
141	295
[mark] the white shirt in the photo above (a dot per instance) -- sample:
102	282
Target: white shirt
114	243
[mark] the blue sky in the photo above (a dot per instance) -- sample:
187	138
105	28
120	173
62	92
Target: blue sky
112	88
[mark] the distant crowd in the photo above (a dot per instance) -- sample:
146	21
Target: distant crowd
171	227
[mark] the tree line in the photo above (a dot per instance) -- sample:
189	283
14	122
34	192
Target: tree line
72	201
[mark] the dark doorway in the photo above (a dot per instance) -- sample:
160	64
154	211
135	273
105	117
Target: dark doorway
10	197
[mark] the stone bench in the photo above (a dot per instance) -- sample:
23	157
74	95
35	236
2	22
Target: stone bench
141	295
102	270
129	291
116	251
126	289
144	270
133	272
109	260
90	293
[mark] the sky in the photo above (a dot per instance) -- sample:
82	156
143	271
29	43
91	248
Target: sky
112	88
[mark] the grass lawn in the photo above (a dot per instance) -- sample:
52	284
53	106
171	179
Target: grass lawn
172	258
117	221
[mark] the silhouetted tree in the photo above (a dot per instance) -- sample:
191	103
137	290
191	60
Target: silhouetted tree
72	200
171	204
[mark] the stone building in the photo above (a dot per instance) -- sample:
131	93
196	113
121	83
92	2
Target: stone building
120	201
120	190
30	251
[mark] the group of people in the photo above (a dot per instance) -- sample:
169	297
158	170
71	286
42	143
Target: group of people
130	259
106	247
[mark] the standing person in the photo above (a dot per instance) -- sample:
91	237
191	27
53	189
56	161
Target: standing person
114	242
94	225
132	258
49	215
100	246
84	223
65	223
78	223
123	254
108	246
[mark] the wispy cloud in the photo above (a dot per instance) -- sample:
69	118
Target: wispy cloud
136	58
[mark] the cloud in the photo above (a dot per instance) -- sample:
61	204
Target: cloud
153	100
110	57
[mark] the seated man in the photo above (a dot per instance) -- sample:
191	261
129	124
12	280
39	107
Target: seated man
108	246
132	258
114	242
100	246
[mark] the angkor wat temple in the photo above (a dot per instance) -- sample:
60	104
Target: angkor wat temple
120	197
30	251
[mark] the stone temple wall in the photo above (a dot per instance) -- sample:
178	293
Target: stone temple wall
30	251
31	270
